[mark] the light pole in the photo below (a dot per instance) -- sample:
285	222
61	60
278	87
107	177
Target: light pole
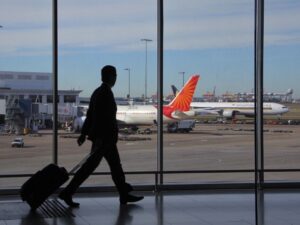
146	42
182	77
128	69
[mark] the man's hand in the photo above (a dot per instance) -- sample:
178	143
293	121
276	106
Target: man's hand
81	139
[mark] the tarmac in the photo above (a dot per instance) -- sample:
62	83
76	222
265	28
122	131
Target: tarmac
207	147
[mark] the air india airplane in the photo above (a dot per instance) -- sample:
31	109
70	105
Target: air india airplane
177	109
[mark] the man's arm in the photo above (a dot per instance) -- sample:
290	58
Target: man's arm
81	139
87	123
109	117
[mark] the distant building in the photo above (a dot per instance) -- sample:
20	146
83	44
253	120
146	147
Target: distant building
28	98
209	97
34	86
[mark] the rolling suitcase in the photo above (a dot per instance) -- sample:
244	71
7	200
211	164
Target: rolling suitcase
44	183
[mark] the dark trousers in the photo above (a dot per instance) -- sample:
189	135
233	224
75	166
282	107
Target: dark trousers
99	150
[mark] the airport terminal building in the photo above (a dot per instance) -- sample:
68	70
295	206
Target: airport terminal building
29	95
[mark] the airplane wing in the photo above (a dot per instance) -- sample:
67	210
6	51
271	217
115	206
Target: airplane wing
121	122
202	112
183	115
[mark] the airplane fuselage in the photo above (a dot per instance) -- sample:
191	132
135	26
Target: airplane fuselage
229	109
139	115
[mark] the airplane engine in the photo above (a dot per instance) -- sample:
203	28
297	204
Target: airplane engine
183	115
228	113
190	113
78	123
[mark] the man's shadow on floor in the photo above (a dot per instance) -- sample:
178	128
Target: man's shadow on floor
126	213
33	218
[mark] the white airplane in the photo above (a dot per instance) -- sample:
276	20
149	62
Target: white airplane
231	109
177	109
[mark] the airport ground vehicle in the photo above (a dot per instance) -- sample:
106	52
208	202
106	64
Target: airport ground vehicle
182	126
18	142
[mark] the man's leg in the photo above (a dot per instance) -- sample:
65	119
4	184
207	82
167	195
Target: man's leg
81	175
113	158
114	162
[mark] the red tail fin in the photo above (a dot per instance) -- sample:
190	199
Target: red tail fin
184	98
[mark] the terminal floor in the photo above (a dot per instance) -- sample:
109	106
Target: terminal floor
165	208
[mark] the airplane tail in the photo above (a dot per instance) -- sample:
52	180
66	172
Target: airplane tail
174	90
184	97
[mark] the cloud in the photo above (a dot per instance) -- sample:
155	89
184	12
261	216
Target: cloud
118	26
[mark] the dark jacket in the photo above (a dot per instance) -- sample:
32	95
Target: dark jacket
101	122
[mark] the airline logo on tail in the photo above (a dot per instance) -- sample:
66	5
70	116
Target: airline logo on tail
183	99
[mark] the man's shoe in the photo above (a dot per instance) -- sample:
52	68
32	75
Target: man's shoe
68	200
128	187
130	198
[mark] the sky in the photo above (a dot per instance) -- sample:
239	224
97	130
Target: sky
213	38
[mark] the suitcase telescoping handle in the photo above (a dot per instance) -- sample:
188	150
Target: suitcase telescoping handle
75	168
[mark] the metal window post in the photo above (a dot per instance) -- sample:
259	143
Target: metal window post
54	77
259	140
160	76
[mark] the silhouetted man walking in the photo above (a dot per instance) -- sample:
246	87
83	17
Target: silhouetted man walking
100	126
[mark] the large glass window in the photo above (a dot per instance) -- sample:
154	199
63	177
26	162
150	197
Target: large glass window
122	34
214	39
25	54
281	92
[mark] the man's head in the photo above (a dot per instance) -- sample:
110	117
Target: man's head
109	75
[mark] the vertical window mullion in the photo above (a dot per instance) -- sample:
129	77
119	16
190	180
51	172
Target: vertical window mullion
160	90
259	141
54	78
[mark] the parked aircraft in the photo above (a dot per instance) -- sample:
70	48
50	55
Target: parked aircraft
231	109
177	109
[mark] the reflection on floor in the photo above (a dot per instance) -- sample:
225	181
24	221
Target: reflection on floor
166	208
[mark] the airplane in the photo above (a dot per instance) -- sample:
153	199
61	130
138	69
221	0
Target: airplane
174	90
177	109
231	109
197	112
133	115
